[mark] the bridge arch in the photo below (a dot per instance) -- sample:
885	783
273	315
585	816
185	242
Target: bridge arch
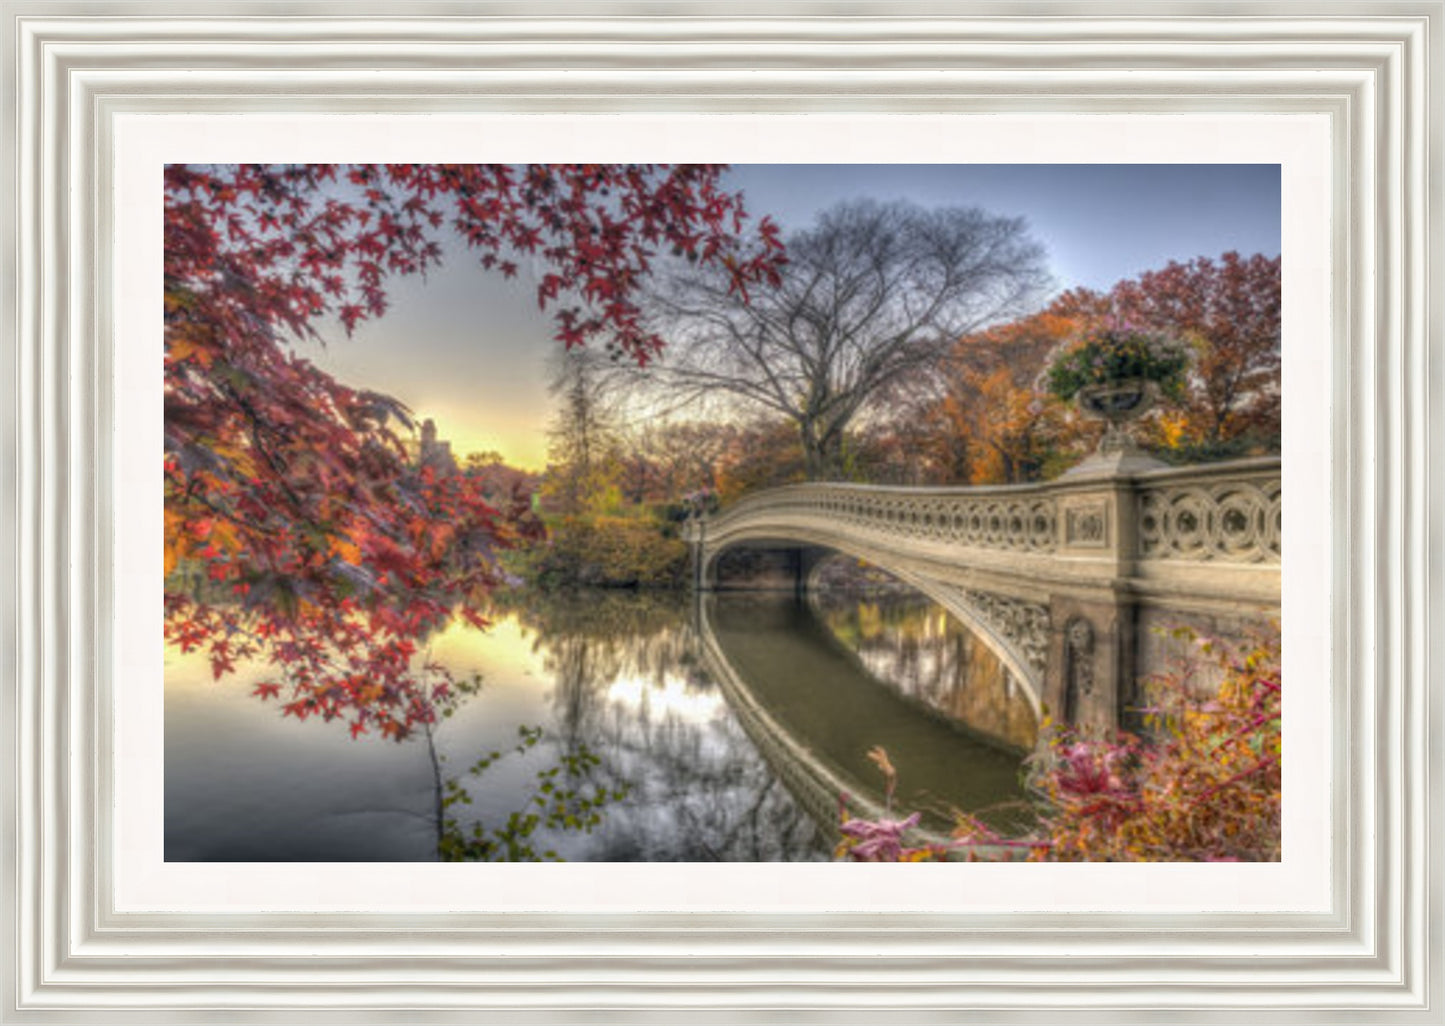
1025	668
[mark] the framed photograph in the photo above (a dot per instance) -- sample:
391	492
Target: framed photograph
633	805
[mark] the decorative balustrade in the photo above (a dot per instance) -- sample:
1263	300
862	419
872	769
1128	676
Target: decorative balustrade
1202	517
1227	512
1020	520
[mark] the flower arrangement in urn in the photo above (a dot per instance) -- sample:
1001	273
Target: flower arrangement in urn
1116	372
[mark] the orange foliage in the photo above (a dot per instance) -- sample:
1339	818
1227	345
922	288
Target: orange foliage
993	412
995	425
763	456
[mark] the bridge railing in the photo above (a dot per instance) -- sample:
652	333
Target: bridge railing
1220	512
1018	517
1210	513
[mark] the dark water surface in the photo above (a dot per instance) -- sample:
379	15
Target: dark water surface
621	675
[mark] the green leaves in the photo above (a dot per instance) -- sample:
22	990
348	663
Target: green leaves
1106	355
569	796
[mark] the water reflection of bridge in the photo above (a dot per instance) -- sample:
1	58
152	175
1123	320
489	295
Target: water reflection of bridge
1065	581
813	712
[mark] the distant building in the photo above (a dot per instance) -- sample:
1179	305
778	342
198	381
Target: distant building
434	453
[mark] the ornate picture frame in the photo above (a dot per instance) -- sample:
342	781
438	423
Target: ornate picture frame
87	939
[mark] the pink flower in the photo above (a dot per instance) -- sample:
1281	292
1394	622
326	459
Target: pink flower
1089	770
877	841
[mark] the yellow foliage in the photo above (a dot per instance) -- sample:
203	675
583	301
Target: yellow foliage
175	544
239	456
343	546
181	347
1173	424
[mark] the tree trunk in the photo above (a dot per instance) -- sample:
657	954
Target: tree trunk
822	456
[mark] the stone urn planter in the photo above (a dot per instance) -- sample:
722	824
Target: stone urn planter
1119	403
1116	373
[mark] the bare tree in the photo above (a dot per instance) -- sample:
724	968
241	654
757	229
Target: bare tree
662	460
582	438
873	294
690	453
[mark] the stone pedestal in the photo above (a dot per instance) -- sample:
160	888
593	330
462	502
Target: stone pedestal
1090	681
1091	666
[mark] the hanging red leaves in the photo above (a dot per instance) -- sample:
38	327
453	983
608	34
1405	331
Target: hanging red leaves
298	530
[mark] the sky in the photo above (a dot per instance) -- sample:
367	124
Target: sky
471	350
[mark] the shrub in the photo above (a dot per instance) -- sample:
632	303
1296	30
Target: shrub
1107	354
1202	784
606	552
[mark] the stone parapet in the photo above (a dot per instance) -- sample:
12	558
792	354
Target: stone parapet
1102	528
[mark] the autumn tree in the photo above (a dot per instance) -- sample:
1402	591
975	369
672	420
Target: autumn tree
872	294
639	478
647	474
763	454
1230	309
325	551
665	460
898	450
988	421
995	424
690	454
583	437
993	397
505	487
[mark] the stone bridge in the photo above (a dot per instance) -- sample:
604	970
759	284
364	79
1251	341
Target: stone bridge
1068	582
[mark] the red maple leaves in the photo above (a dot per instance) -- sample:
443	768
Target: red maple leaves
298	530
1232	309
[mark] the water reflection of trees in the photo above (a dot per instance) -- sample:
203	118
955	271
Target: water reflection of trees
699	793
917	647
628	685
588	640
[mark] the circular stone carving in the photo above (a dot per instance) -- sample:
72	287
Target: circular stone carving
1238	524
1188	523
1236	521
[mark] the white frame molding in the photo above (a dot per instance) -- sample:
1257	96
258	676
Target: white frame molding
1373	69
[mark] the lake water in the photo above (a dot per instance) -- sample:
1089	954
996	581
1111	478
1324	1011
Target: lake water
626	677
